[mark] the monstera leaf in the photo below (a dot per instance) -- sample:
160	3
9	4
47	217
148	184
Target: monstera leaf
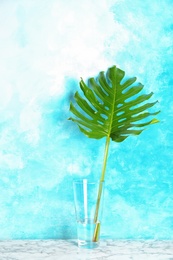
112	108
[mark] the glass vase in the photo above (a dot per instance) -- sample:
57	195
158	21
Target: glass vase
88	200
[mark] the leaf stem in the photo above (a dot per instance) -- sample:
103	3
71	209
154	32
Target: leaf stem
102	178
105	158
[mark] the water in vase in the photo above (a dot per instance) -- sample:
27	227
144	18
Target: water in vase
85	231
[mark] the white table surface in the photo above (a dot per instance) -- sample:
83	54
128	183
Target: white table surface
68	250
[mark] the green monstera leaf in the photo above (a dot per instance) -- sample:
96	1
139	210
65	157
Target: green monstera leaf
112	108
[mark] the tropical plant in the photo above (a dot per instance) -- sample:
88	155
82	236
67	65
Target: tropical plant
112	107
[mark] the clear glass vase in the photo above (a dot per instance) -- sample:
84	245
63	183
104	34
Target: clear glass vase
88	200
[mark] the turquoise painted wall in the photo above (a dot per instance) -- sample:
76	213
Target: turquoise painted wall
45	47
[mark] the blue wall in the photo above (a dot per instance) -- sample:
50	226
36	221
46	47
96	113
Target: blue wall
45	47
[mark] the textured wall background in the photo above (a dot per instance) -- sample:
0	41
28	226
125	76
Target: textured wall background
45	47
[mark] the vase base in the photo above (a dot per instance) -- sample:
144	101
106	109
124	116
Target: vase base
87	244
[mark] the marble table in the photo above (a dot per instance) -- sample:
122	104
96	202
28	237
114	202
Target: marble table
68	250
